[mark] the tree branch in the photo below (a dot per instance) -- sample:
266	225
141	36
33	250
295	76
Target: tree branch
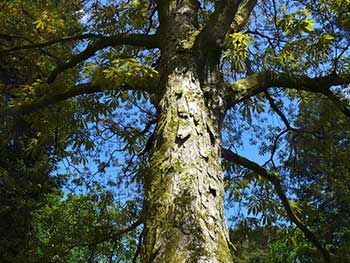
274	147
213	34
49	43
162	7
242	15
116	235
259	82
81	89
147	41
138	249
277	110
341	105
276	181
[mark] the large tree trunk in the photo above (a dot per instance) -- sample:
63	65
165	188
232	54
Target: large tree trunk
184	188
183	211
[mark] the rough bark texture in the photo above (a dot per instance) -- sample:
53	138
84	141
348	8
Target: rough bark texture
184	213
184	188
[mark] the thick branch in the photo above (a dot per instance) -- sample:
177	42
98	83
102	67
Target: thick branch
162	9
259	82
122	39
242	15
213	34
276	181
80	89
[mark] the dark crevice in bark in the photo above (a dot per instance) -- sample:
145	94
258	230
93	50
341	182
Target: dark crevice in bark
212	191
180	141
211	135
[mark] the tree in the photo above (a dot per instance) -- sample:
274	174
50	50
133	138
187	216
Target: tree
30	145
324	187
201	64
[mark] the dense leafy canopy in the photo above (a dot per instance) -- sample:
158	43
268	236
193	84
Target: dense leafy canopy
78	108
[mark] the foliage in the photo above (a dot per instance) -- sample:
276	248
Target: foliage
237	49
265	244
321	173
30	146
83	228
252	243
292	247
72	169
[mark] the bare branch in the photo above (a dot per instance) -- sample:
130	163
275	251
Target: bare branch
147	41
276	181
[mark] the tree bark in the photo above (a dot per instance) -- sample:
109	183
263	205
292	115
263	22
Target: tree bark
184	187
183	208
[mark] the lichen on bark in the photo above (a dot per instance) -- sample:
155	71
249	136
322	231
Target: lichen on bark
183	207
184	190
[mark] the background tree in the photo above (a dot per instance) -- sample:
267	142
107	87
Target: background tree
320	174
175	86
31	145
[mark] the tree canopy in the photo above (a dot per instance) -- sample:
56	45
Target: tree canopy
127	127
